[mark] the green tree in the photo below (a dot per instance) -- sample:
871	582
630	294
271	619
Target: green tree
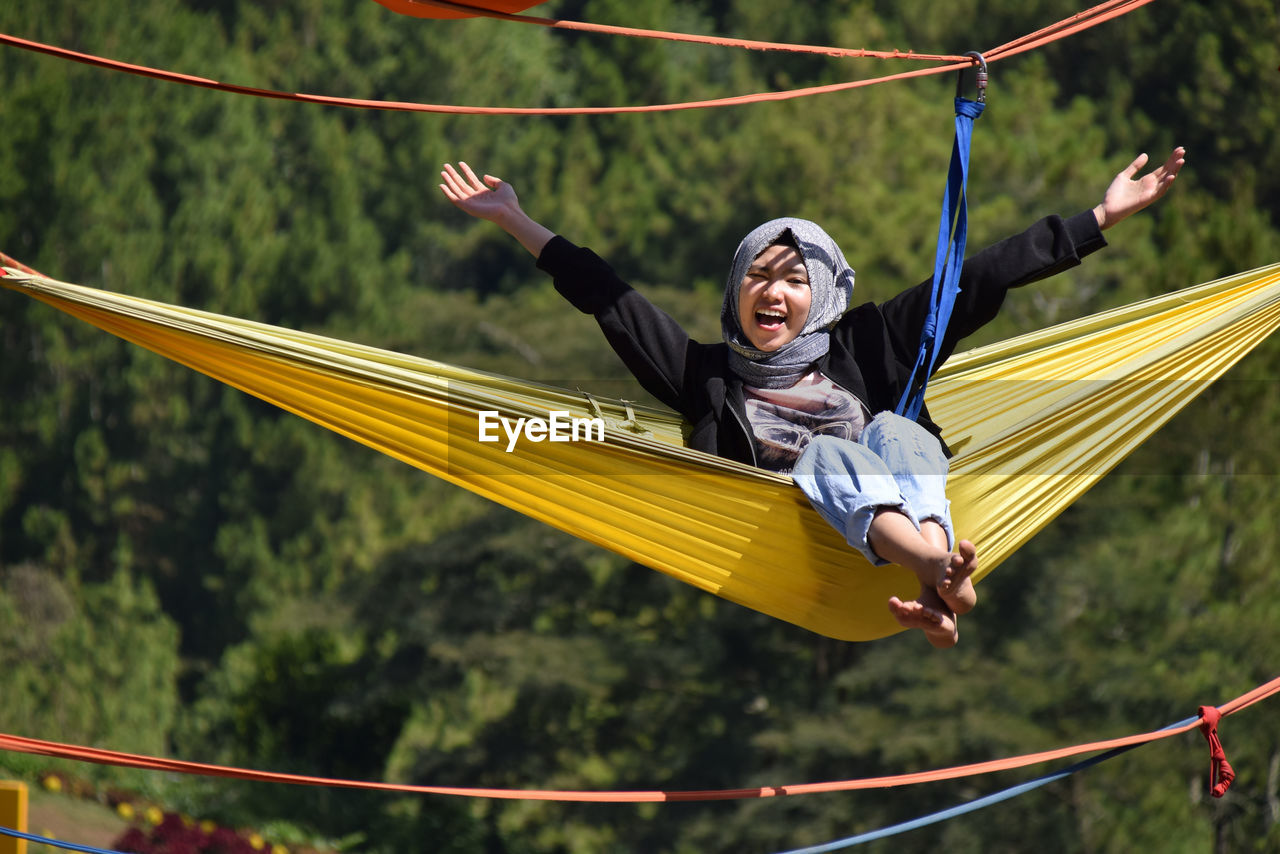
86	663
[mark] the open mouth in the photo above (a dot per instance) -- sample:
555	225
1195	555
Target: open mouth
770	319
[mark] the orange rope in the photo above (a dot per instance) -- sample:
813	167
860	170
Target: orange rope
1069	26
407	106
718	41
130	760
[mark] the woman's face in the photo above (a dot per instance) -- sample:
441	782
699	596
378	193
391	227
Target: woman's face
773	301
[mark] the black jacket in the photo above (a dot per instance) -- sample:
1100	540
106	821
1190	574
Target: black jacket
873	347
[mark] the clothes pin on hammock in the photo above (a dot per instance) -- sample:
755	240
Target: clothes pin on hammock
953	231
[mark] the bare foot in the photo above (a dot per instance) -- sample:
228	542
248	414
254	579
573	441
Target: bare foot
956	587
946	584
933	618
954	582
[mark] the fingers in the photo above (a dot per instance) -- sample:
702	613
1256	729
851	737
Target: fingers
460	187
489	183
476	183
1137	164
453	186
1166	171
1157	182
463	186
1169	169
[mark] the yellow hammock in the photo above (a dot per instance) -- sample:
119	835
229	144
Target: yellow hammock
1035	420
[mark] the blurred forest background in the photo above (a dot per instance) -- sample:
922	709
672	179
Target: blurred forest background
186	571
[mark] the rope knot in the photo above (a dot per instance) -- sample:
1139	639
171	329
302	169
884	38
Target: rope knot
1220	771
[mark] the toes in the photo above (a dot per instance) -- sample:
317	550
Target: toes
939	626
957	589
953	575
905	612
916	615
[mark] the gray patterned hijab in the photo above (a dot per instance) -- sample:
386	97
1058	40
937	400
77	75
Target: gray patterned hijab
831	288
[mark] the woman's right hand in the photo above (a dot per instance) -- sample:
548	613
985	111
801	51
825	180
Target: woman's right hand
490	199
495	200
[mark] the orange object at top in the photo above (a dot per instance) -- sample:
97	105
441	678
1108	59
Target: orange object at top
427	9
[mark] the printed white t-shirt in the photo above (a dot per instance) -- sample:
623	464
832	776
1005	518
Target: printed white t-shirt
783	420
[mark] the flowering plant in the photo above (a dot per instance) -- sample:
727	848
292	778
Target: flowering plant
177	835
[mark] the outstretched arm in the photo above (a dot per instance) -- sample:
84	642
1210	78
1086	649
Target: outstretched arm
495	200
650	342
1128	195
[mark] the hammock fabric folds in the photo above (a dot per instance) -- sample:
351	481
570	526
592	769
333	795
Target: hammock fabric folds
1035	422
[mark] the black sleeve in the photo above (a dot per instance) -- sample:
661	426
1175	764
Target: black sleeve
650	343
1045	249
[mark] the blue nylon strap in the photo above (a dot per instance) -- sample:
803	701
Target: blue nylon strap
972	806
953	231
54	843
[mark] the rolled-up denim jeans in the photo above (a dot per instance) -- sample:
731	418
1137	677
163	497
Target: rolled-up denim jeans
896	463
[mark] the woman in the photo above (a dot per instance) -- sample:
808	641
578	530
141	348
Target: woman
803	384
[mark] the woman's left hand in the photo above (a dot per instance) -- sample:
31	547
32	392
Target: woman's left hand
1128	195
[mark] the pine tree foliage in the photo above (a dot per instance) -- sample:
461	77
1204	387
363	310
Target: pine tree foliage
186	570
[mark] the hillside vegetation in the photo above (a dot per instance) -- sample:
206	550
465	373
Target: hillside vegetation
187	571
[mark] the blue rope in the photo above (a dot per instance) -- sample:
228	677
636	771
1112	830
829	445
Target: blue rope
56	843
953	232
839	844
972	806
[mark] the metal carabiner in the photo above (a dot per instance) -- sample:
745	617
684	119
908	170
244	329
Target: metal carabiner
981	65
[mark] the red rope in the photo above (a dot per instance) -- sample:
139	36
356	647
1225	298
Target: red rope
1069	26
1220	771
9	261
130	760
